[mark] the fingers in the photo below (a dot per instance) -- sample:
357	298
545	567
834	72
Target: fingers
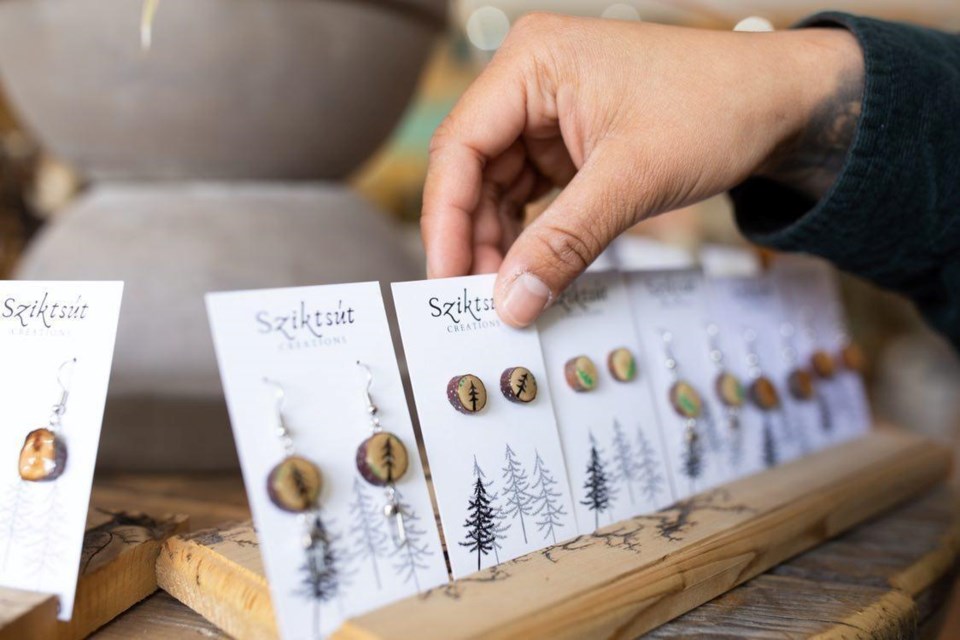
487	120
601	202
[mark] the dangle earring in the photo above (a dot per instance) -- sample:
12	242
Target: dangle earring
294	486
800	381
730	391
43	456
688	404
382	460
764	395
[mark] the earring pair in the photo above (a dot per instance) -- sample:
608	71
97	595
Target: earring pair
581	373
467	393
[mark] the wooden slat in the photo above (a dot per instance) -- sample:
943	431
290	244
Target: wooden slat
27	616
636	575
117	567
219	574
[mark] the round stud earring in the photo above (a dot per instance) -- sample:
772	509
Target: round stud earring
518	384
622	365
467	394
581	373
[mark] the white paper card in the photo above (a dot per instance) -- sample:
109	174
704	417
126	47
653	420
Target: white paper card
611	436
499	474
308	341
750	334
811	299
669	306
44	327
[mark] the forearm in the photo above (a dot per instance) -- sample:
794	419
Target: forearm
891	213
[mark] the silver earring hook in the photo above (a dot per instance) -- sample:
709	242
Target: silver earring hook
61	407
372	409
282	430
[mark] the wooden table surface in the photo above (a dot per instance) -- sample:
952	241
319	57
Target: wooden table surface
843	588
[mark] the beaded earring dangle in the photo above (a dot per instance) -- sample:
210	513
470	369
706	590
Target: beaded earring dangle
382	460
43	456
688	404
764	396
730	392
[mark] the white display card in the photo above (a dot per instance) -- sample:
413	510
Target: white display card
55	337
811	300
748	322
669	306
611	435
307	340
499	475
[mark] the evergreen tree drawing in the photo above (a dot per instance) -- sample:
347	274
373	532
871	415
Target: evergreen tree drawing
474	396
651	479
546	499
522	385
500	526
321	575
367	529
693	455
516	490
626	466
770	454
599	492
389	458
714	442
411	558
823	408
480	522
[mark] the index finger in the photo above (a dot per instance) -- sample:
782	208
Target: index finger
487	119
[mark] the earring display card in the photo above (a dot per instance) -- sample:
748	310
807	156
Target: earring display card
611	435
756	345
497	464
670	314
57	343
810	297
305	343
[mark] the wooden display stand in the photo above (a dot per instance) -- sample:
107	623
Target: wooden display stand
622	581
117	570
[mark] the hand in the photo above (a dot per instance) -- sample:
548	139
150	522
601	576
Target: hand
631	120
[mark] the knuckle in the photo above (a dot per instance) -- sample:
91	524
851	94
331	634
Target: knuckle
567	250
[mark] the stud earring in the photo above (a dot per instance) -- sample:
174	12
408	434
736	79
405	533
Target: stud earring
43	456
688	404
581	374
294	485
518	384
730	392
382	460
622	365
467	394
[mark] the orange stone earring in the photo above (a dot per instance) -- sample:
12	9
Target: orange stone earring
382	460
43	456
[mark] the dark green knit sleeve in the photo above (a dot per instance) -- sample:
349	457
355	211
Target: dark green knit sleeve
893	214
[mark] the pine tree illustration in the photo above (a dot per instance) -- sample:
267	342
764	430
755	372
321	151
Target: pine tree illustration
522	385
500	524
626	467
546	500
320	579
714	442
474	396
597	485
389	459
693	456
770	454
516	490
367	529
479	523
823	408
651	479
411	558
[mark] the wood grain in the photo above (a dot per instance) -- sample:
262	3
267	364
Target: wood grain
27	616
638	574
219	574
634	576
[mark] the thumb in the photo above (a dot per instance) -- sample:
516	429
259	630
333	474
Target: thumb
599	204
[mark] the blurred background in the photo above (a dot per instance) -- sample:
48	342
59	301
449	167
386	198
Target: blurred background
259	143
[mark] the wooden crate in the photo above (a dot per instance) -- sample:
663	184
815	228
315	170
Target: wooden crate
625	579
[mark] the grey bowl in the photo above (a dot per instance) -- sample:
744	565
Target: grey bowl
231	89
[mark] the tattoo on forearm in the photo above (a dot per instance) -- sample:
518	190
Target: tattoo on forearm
811	163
